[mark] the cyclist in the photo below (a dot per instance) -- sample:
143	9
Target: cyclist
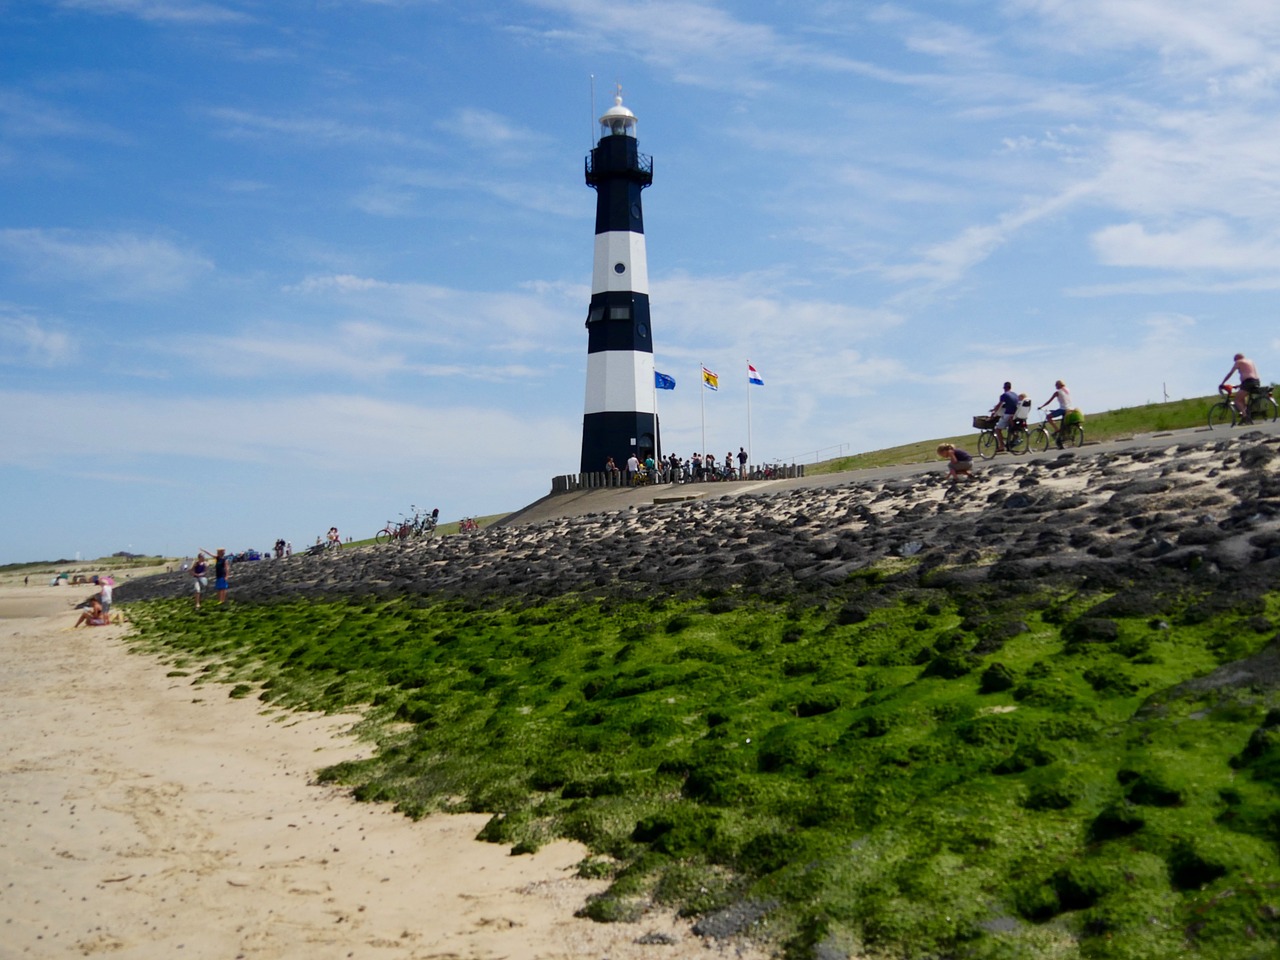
1249	383
1062	396
1007	406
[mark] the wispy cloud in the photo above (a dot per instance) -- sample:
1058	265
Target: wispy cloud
700	43
948	262
337	433
402	192
365	331
27	117
27	341
110	265
1205	245
488	130
237	123
1216	35
162	11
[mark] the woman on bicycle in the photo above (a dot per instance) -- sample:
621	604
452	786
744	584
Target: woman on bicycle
1062	396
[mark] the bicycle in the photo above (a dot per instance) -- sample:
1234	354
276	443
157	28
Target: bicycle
392	531
1260	409
1072	435
417	524
1016	436
468	525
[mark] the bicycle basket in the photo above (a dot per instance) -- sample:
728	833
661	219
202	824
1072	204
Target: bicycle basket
984	423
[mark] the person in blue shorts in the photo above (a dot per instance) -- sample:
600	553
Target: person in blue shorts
1006	406
221	572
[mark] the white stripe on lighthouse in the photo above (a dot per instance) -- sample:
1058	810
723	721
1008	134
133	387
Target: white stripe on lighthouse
619	380
626	248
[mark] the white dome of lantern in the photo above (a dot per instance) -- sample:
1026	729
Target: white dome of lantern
618	120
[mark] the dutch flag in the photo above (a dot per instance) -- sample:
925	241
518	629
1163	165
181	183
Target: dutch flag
753	376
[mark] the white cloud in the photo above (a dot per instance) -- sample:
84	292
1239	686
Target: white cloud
311	129
1204	245
162	11
24	340
699	43
490	131
23	116
1214	34
760	312
111	265
467	320
385	445
949	261
1192	163
405	192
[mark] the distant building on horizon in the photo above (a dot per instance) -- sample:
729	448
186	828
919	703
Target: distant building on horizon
620	415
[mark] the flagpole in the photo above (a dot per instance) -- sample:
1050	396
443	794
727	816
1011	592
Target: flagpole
748	413
657	450
702	382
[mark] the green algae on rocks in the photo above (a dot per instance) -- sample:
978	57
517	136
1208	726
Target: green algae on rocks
904	764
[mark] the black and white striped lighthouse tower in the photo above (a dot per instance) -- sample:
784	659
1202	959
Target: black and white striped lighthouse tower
620	416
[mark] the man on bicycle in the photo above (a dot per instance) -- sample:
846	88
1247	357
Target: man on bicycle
1007	406
1249	383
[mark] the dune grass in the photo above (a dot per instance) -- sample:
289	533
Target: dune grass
1108	425
890	766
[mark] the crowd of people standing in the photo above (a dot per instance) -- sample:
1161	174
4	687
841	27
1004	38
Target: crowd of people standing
697	468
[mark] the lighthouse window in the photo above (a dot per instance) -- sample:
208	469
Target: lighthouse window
619	268
619	313
595	314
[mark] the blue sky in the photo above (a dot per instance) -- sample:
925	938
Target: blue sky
268	266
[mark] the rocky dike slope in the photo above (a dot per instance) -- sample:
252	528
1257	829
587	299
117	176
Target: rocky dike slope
1204	510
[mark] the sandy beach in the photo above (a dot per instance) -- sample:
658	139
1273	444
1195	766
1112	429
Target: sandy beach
144	817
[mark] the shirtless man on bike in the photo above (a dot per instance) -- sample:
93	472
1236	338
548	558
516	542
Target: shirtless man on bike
1249	382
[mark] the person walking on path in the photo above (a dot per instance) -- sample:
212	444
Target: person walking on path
199	577
107	587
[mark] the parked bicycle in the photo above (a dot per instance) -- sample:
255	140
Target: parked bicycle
392	531
468	525
1260	409
1070	430
1016	436
416	524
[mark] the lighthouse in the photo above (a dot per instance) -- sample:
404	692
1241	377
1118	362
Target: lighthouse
620	416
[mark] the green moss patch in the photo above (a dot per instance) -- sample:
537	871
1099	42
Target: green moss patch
915	765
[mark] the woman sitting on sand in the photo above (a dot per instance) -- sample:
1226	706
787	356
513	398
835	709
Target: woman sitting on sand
95	616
